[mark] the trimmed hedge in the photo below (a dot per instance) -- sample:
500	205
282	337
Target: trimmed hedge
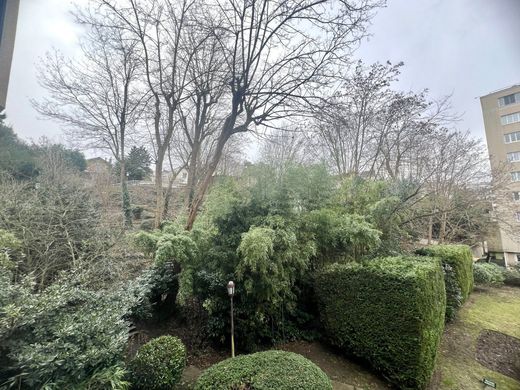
158	364
265	371
457	257
389	312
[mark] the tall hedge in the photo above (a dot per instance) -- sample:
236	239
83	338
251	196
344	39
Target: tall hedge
265	371
389	312
460	259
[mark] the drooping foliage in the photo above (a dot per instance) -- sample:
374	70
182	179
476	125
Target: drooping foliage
383	204
340	236
268	231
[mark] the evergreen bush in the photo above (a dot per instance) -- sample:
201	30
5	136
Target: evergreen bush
158	364
460	259
457	263
265	371
512	278
488	274
389	312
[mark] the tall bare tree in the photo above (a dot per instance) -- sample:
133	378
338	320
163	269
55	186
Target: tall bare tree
96	96
279	56
162	28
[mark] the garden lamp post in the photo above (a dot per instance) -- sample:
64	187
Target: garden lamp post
231	292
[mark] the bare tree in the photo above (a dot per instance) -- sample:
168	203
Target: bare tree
200	115
349	125
282	148
162	28
279	55
96	96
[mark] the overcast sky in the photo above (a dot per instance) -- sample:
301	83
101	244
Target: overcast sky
466	48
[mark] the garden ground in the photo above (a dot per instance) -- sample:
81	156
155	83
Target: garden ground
495	309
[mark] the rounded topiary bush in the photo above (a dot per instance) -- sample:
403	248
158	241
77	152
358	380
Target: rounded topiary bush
488	274
265	371
158	364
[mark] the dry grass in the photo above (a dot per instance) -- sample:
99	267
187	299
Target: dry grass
495	309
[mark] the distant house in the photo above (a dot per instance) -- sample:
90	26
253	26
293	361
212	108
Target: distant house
98	166
181	180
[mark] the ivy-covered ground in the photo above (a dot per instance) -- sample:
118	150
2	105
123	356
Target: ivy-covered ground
496	309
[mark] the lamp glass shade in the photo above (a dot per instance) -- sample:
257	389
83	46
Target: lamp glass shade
231	288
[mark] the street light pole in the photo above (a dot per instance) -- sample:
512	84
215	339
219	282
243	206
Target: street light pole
231	292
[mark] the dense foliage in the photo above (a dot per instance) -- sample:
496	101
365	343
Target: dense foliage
21	160
16	157
264	371
512	277
457	262
488	274
55	219
453	292
269	233
66	290
158	364
389	311
65	334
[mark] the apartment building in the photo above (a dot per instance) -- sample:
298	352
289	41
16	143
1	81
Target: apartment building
8	19
501	113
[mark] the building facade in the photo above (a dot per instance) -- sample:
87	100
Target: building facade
501	113
8	19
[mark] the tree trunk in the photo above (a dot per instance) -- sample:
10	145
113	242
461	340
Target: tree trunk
192	174
159	195
125	196
169	195
430	229
442	233
204	185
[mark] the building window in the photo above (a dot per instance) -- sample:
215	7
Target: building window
512	137
516	195
511	118
509	99
515	176
513	156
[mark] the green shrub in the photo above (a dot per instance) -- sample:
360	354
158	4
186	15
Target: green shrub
113	378
456	258
389	312
158	364
459	257
488	274
512	278
453	292
64	336
265	371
